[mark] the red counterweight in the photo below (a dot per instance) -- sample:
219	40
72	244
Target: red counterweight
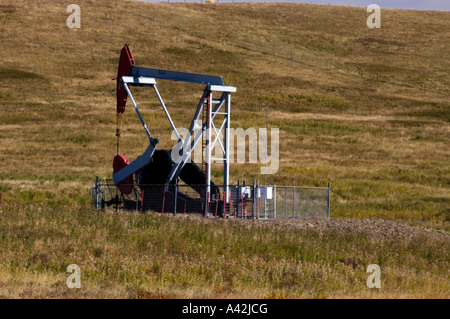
126	185
126	62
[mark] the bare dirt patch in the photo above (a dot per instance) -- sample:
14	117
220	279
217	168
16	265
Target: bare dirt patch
374	229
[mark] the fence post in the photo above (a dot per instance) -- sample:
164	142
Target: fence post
243	210
254	199
285	200
274	201
293	200
329	200
96	192
238	197
258	202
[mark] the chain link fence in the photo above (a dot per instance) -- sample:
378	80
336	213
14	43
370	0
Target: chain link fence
234	201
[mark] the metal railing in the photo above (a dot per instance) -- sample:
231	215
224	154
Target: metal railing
244	201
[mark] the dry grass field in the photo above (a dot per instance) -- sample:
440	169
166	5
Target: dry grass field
367	109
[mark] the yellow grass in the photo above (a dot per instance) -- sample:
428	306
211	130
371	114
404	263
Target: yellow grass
365	109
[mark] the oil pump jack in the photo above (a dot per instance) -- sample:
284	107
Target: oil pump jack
156	172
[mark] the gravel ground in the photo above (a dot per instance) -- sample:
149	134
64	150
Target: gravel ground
375	229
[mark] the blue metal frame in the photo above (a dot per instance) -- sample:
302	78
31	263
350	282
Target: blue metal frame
176	76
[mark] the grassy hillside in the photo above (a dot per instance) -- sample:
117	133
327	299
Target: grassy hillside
365	109
159	256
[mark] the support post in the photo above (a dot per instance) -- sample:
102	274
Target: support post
226	164
208	153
